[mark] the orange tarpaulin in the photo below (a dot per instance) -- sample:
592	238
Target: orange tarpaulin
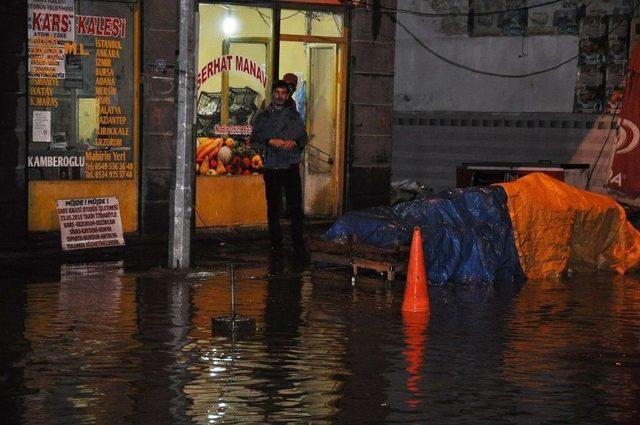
559	227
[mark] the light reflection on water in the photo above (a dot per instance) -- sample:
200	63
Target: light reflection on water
102	346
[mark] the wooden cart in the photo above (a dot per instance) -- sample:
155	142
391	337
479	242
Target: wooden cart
358	256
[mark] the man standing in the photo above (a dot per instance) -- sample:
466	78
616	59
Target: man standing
280	133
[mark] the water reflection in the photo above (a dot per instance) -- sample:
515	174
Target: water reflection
163	319
100	345
80	332
13	302
373	347
276	379
415	332
586	328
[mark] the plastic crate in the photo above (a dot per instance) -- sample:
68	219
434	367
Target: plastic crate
209	104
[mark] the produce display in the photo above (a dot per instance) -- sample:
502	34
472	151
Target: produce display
218	156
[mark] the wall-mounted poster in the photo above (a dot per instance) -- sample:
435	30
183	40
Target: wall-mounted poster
84	80
590	83
615	77
50	23
603	56
590	89
609	7
617	58
512	21
455	23
559	18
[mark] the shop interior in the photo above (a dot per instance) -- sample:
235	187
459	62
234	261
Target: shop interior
312	45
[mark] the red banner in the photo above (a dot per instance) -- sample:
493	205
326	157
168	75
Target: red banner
624	176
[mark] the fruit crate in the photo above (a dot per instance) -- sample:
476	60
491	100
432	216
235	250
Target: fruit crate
242	98
208	113
209	103
242	105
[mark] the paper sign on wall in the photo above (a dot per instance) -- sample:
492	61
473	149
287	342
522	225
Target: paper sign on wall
42	126
51	18
90	223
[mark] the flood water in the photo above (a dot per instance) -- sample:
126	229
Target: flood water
98	344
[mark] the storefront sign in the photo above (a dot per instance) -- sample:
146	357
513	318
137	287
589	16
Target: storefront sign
102	26
235	63
89	223
81	98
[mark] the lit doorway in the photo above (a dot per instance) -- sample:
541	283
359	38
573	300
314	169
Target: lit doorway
241	51
313	47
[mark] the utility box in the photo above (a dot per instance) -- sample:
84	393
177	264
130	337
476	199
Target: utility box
486	173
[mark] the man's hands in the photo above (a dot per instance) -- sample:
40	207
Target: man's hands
282	144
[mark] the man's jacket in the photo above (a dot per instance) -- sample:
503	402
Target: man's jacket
284	124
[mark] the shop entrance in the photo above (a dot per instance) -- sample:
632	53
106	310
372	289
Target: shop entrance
319	97
319	162
241	50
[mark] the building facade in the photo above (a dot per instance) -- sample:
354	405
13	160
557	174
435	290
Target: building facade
90	94
513	82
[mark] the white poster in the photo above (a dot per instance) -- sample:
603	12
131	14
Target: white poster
42	126
90	223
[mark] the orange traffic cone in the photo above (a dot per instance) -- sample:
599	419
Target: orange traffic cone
416	296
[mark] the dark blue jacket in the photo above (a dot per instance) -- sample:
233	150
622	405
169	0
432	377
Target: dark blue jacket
284	124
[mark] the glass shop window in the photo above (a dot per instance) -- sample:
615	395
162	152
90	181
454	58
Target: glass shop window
233	81
307	22
81	90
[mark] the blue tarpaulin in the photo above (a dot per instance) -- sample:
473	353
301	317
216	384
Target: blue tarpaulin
467	233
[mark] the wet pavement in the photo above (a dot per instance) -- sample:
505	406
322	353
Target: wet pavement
126	341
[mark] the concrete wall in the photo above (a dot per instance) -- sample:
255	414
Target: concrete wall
370	110
428	146
13	114
159	39
445	116
426	83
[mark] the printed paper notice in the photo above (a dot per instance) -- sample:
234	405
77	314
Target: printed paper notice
42	126
90	223
51	18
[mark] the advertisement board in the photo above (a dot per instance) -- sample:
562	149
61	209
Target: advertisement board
80	90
